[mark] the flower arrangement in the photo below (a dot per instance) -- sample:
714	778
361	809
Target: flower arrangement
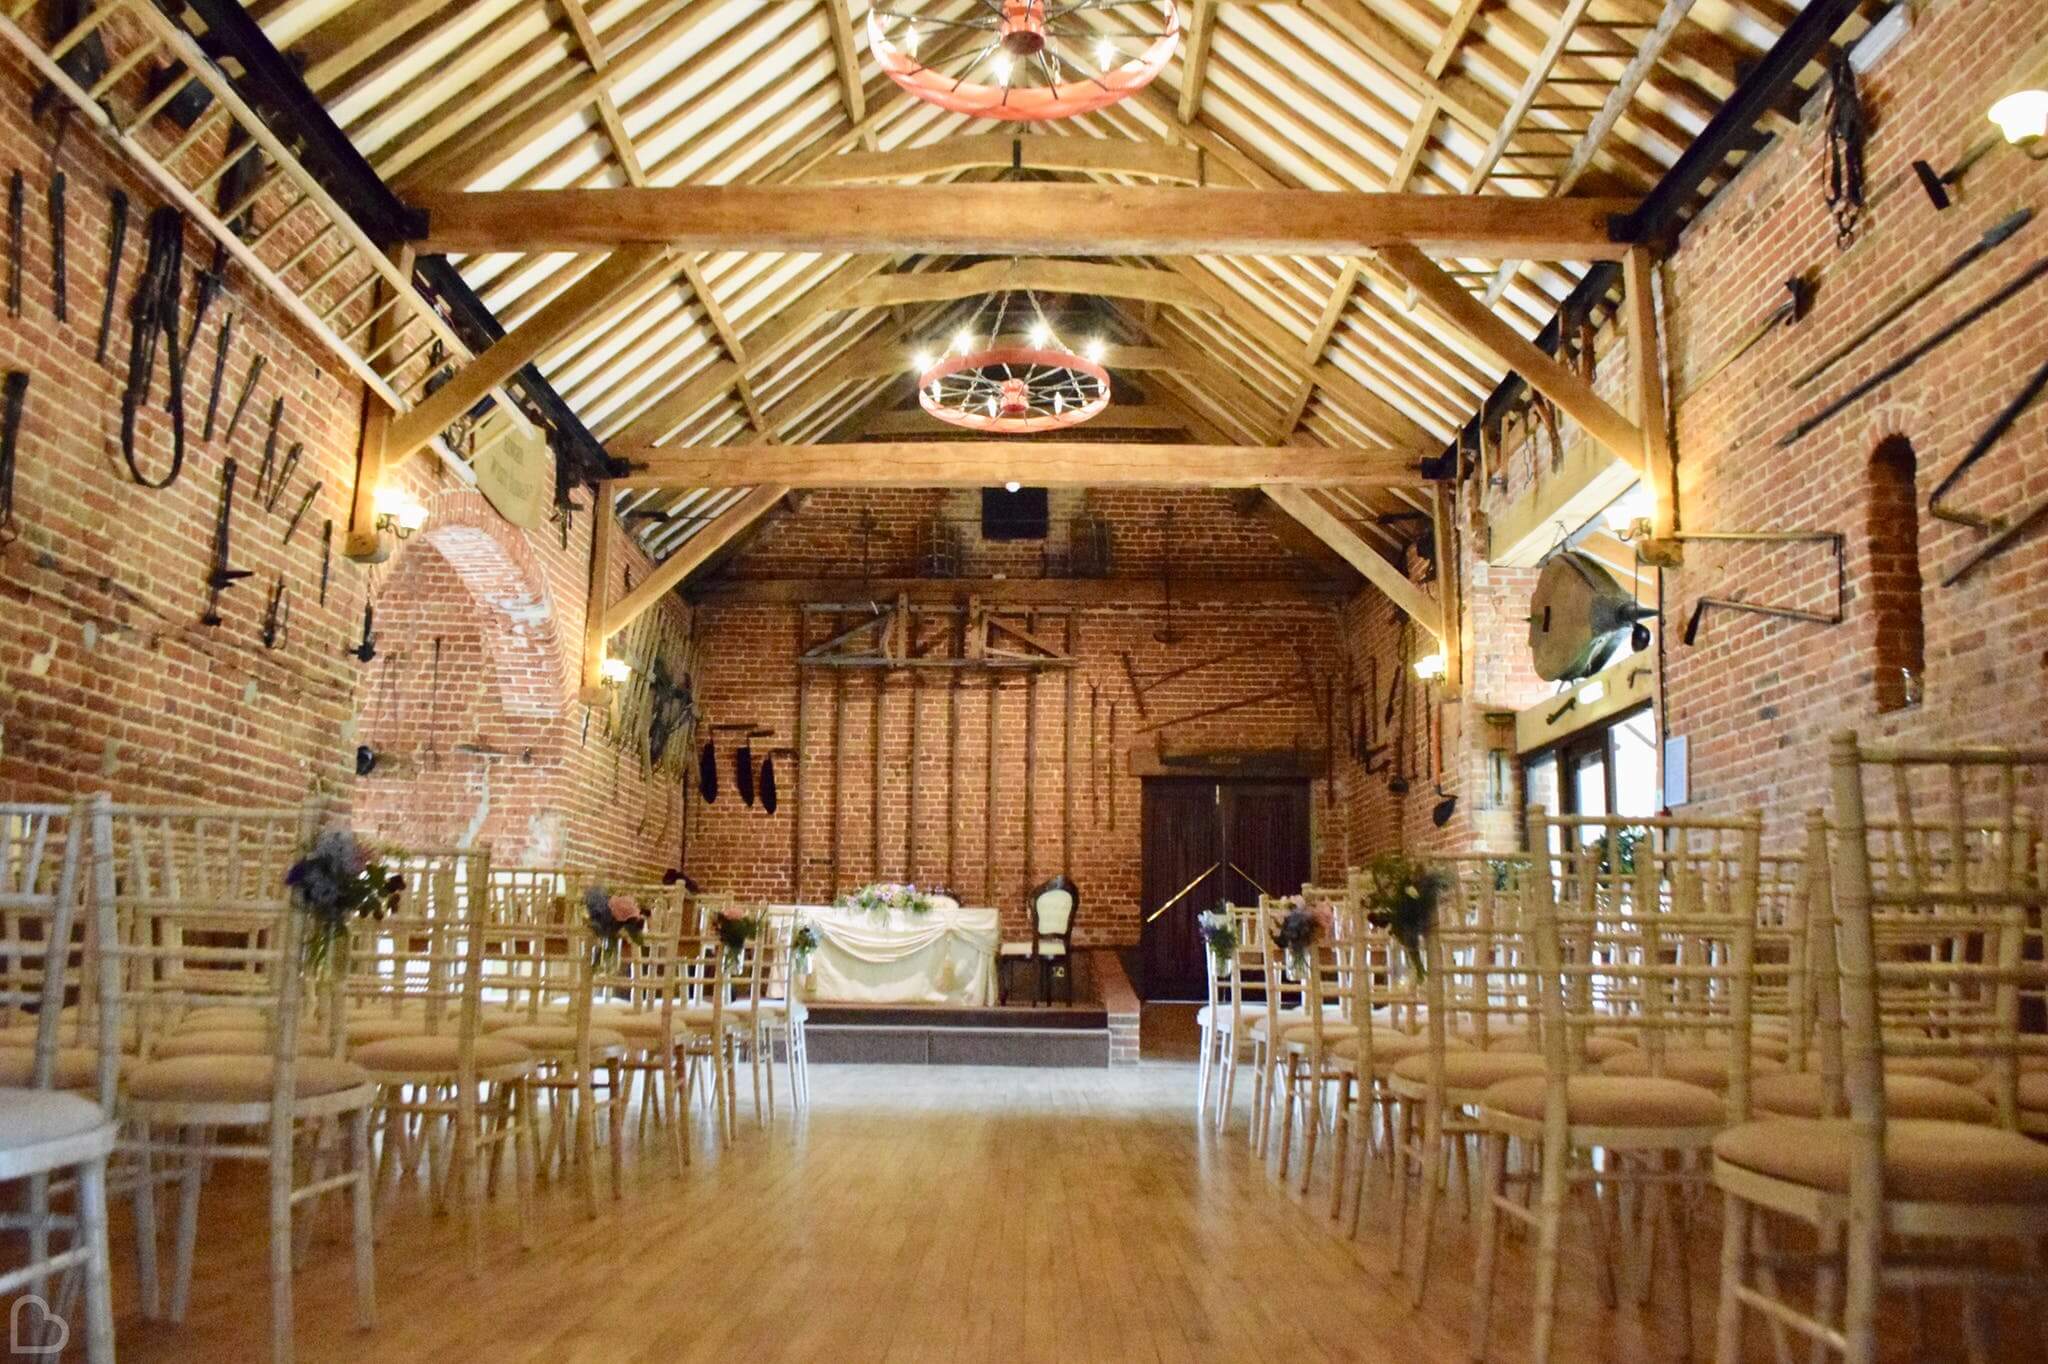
803	940
337	879
1623	860
882	896
1299	930
1401	898
613	918
736	928
1219	932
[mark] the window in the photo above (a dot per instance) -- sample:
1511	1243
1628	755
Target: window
1021	515
1608	769
1893	530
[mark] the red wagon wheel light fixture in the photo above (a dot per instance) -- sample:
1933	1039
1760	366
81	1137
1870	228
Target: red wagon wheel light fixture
1025	60
1014	389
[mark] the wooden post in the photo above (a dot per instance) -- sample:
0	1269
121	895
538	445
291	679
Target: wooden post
1030	868
953	784
796	820
838	749
1660	474
1067	762
1449	595
910	793
988	861
360	541
601	519
881	716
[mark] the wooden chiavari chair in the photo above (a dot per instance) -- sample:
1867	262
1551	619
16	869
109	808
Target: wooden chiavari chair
1931	964
47	1134
1236	1004
1664	938
1386	1005
710	978
1308	1066
638	999
782	1011
210	925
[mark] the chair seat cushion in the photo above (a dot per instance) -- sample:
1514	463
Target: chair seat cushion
237	1079
362	1030
1303	1031
555	1039
235	1042
645	1024
440	1052
1469	1070
1707	1066
1389	1047
217	1018
31	1117
1957	1070
497	1019
1924	1160
1798	1095
1015	949
1599	1046
2033	1090
1612	1101
76	1068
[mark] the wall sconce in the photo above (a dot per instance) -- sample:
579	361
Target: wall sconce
614	671
398	514
1431	666
2022	120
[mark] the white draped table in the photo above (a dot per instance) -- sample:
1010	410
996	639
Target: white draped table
944	956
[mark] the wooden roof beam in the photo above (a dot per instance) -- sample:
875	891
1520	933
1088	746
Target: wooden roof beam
1194	67
985	463
1005	151
712	536
1333	531
1024	219
1116	417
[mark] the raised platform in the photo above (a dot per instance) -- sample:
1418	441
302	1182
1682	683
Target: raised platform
1099	1029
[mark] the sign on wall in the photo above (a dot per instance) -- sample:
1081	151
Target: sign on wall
517	476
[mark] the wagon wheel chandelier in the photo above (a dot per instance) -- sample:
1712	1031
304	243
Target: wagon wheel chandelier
1011	387
1026	59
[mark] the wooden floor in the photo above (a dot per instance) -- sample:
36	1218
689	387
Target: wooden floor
941	1214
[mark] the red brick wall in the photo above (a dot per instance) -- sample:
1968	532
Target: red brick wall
752	675
107	679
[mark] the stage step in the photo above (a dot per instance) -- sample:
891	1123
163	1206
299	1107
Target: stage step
1058	1037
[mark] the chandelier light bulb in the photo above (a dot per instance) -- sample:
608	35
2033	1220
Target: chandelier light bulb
1040	333
991	407
1002	68
1059	403
1095	350
964	342
910	40
1105	54
921	362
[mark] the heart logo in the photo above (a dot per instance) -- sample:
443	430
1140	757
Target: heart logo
33	1329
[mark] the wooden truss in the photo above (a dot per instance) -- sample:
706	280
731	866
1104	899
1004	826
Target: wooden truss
975	636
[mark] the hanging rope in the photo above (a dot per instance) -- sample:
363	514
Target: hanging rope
153	319
1846	132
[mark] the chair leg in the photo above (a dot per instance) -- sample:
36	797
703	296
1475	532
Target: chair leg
584	1151
1228	1094
1556	1160
615	1126
1432	1156
519	1112
1495	1157
146	1270
1202	1070
1865	1242
469	1162
1735	1215
99	1291
281	1171
363	1218
188	1226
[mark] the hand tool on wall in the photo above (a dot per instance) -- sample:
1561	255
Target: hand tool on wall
1290	688
1990	436
268	468
284	475
305	505
222	576
248	388
1826	537
1985	306
326	558
1112	765
208	287
220	372
117	244
1995	235
60	270
366	650
13	393
1798	300
1094	755
276	616
153	319
17	194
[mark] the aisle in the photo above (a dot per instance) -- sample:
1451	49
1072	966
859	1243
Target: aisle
922	1214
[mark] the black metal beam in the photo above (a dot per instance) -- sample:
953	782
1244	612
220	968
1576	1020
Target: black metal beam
1660	218
273	86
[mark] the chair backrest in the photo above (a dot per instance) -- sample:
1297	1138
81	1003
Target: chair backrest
191	910
1654	934
39	856
1052	908
421	955
644	978
1931	953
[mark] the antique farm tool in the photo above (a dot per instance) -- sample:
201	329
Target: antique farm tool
366	650
223	576
248	388
13	393
768	800
326	558
1985	306
59	267
16	194
220	372
1992	238
707	772
1112	764
1991	435
117	242
1578	617
277	616
305	505
153	319
1798	299
269	466
284	474
209	286
1818	537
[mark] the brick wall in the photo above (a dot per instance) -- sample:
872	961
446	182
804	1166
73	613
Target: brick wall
109	682
752	675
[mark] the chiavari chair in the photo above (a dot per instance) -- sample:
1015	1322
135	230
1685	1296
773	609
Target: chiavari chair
711	977
1664	938
782	1010
1386	1002
1236	1004
639	1000
210	926
1309	1069
46	1133
1930	947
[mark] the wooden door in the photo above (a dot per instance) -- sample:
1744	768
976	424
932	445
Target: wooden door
1229	840
1182	844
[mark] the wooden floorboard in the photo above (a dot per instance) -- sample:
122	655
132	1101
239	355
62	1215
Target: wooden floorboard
953	1214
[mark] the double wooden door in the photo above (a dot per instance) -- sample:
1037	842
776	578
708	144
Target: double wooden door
1207	842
